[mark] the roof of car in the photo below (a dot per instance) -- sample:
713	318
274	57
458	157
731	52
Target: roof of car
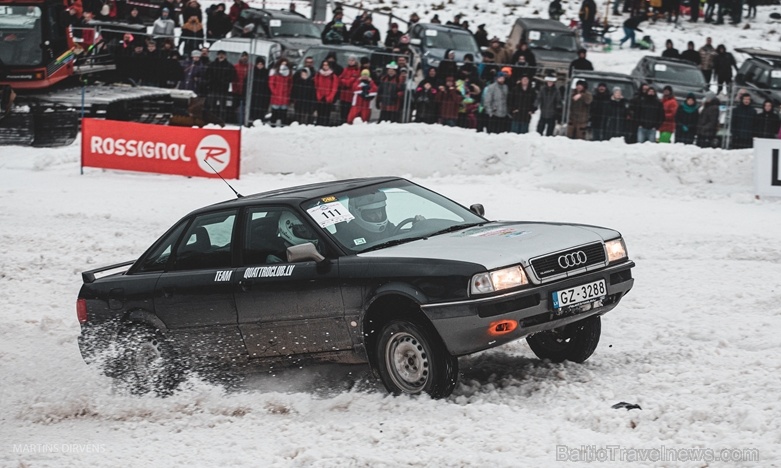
543	24
443	27
603	74
657	58
300	193
279	14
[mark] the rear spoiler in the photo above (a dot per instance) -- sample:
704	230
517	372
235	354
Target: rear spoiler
89	276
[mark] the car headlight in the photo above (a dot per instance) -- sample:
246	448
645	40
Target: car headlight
616	250
497	280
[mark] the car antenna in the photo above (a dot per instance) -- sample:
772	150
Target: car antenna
238	195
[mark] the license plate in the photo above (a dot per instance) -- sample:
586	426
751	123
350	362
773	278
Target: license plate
578	294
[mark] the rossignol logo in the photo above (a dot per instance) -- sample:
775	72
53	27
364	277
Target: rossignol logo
213	150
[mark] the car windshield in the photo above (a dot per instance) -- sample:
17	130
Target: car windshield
553	40
293	29
678	73
462	42
20	35
394	212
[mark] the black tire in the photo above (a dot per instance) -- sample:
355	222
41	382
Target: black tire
575	342
146	362
412	359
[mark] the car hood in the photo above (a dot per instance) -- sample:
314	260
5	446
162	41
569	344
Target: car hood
498	244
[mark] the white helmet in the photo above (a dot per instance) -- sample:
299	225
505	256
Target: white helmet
369	211
294	231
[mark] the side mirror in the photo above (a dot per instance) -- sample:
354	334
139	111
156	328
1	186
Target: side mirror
415	41
477	209
303	252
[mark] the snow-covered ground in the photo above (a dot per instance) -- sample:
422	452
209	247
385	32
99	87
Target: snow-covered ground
696	343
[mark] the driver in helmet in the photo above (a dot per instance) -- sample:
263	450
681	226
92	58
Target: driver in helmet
293	232
371	222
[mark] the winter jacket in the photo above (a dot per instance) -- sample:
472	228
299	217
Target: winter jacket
634	22
707	54
218	25
723	64
672	52
670	109
692	56
219	75
579	109
743	120
363	93
237	85
365	34
327	86
190	11
766	124
449	102
280	87
163	27
588	11
616	118
549	102
686	119
495	100
708	124
347	80
389	92
426	104
520	103
599	109
446	68
236	9
303	92
648	112
580	63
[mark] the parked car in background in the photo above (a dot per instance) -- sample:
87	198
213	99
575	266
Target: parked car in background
760	75
433	40
234	46
295	33
555	46
683	76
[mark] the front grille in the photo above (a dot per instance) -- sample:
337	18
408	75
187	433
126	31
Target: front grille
548	266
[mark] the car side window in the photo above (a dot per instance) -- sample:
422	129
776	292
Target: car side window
158	258
207	242
270	231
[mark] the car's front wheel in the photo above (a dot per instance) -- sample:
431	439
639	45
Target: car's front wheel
146	362
412	359
574	342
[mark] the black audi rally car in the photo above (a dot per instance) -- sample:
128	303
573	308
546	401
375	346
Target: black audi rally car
376	270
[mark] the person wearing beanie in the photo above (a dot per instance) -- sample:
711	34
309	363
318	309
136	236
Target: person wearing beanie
495	104
389	94
280	83
598	112
708	123
364	91
520	105
743	121
335	31
327	89
579	111
580	63
163	27
261	94
686	120
549	104
670	105
218	77
350	74
648	114
303	95
449	100
393	36
616	115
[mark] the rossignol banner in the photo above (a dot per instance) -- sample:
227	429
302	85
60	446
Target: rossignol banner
767	167
129	146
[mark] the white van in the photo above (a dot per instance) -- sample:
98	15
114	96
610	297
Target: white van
234	46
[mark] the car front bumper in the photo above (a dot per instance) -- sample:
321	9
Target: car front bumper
470	326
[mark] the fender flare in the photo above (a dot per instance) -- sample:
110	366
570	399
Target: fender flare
397	288
145	317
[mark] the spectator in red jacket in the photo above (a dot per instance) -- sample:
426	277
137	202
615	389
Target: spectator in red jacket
237	85
347	79
327	87
280	83
670	105
236	9
364	90
449	100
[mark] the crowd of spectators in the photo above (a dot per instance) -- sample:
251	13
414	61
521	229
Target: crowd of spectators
501	94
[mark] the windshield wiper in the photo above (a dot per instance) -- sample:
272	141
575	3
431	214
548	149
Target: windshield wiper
393	242
456	227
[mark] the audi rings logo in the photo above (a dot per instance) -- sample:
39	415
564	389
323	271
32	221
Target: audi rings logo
572	259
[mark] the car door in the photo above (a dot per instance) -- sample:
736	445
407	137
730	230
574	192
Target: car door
194	296
286	308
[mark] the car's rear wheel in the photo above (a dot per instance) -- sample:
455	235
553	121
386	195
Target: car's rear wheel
146	362
412	359
574	342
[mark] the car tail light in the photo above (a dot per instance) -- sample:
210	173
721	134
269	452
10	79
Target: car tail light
81	310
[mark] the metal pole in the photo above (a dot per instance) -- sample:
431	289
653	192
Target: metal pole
727	142
248	84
